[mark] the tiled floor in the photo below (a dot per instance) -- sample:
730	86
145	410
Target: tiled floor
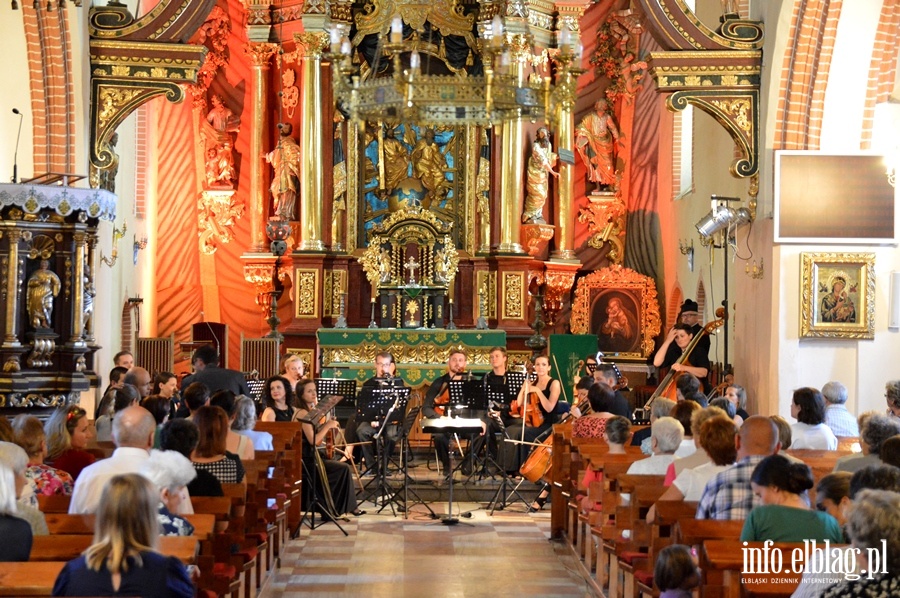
506	554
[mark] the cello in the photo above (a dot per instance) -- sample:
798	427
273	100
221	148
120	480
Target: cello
666	386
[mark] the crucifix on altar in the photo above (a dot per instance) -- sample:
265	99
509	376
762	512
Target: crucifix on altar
411	266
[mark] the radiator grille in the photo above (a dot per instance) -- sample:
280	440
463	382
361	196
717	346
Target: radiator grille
156	354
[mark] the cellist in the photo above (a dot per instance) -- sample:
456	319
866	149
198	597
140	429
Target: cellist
435	403
537	402
671	350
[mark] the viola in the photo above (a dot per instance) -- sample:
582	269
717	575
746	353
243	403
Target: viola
533	415
443	397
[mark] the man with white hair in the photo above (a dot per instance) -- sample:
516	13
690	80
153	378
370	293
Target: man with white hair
666	434
133	435
837	417
170	472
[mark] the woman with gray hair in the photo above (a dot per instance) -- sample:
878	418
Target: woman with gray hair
245	419
892	395
170	472
15	531
14	457
873	523
665	438
874	431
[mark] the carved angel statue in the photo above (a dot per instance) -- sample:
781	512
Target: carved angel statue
384	267
43	287
442	266
430	166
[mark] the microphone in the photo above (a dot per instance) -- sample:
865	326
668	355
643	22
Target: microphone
15	176
212	332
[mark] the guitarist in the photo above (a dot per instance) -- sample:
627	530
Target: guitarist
671	350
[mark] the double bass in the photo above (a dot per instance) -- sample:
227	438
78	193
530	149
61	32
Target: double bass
666	386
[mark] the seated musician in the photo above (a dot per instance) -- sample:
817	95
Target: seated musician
672	349
385	368
618	405
537	402
497	419
435	403
337	488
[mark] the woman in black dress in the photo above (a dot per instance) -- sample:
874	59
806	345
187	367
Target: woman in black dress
279	400
338	474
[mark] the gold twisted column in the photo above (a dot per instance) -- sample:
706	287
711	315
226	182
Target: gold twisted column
512	151
91	259
12	289
259	54
312	186
80	240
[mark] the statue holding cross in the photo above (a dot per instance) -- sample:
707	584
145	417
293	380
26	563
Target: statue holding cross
412	265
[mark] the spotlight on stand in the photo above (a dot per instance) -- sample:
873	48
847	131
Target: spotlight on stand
722	216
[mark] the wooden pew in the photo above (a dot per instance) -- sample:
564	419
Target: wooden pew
57	503
32	578
65	547
63	523
726	557
695	532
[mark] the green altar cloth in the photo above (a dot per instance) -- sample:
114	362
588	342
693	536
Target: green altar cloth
421	355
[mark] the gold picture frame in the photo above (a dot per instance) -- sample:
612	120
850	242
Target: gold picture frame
837	295
632	296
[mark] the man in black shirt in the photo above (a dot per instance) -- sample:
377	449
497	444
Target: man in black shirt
619	404
494	424
436	395
385	369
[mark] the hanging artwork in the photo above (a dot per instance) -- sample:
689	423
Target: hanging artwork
838	295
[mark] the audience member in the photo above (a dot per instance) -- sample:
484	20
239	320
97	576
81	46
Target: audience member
683	411
660	408
699	456
160	408
892	395
841	421
165	384
14	457
123	359
206	370
600	395
245	419
236	443
279	399
686	384
738	397
211	454
665	438
873	523
182	436
890	451
6	431
170	472
728	495
833	494
123	560
116	380
195	396
616	433
675	572
716	439
16	532
42	478
140	379
68	433
123	397
784	515
726	406
875	430
133	435
810	431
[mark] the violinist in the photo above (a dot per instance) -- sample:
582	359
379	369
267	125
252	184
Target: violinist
495	421
435	403
337	475
536	404
385	368
671	350
617	404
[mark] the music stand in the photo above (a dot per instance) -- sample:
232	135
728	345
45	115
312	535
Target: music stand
336	387
386	404
313	418
514	382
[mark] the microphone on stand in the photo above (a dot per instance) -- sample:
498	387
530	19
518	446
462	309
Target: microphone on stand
15	176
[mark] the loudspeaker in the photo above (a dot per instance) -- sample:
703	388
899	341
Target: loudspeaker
894	308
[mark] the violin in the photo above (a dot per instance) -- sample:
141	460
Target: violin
533	415
443	398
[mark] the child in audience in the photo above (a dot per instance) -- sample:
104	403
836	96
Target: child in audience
676	572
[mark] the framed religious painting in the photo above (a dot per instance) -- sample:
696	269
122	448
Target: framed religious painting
837	295
620	306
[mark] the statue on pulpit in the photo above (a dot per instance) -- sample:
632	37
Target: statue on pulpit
595	140
43	287
429	166
540	166
285	160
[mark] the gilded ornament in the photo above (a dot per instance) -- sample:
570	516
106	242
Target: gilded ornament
513	293
217	213
306	282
